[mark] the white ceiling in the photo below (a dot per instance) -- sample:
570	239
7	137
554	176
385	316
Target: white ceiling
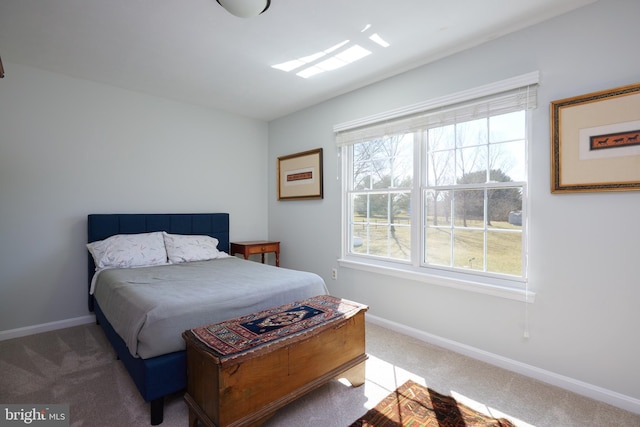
195	51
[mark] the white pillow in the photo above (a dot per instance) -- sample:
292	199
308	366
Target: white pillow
129	250
185	248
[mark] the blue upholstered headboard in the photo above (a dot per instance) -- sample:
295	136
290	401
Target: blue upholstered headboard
101	226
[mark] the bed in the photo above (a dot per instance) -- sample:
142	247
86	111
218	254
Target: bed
144	310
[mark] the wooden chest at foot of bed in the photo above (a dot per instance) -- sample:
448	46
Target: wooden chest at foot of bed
239	372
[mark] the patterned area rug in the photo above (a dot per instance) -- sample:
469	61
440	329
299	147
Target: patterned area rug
413	405
259	331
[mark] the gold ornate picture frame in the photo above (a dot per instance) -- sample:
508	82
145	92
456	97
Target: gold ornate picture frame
595	141
300	176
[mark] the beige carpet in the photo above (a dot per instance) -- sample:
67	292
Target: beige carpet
77	366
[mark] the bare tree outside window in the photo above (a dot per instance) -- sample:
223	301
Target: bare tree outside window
382	181
463	212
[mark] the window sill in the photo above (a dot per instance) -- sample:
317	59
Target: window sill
466	285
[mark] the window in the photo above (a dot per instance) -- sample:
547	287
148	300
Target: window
441	188
380	197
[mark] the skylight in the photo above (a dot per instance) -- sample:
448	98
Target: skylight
333	58
377	39
337	61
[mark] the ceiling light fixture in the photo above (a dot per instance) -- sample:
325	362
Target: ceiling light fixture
245	8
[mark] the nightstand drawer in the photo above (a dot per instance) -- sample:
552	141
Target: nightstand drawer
259	249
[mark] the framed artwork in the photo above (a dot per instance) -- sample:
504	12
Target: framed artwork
300	176
595	141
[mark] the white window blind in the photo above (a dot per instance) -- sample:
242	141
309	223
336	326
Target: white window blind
493	99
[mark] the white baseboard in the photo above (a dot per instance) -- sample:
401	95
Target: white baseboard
589	390
46	327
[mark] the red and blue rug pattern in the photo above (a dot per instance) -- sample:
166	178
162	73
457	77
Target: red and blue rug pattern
242	335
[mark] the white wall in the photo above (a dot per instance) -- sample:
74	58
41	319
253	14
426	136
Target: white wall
70	147
583	247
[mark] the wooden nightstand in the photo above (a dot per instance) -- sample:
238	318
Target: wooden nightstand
256	247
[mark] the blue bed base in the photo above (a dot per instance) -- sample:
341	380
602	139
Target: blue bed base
162	375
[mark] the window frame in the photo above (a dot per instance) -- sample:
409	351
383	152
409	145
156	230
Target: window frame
484	187
511	287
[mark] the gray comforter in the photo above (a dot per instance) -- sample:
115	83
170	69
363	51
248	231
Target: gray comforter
150	307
